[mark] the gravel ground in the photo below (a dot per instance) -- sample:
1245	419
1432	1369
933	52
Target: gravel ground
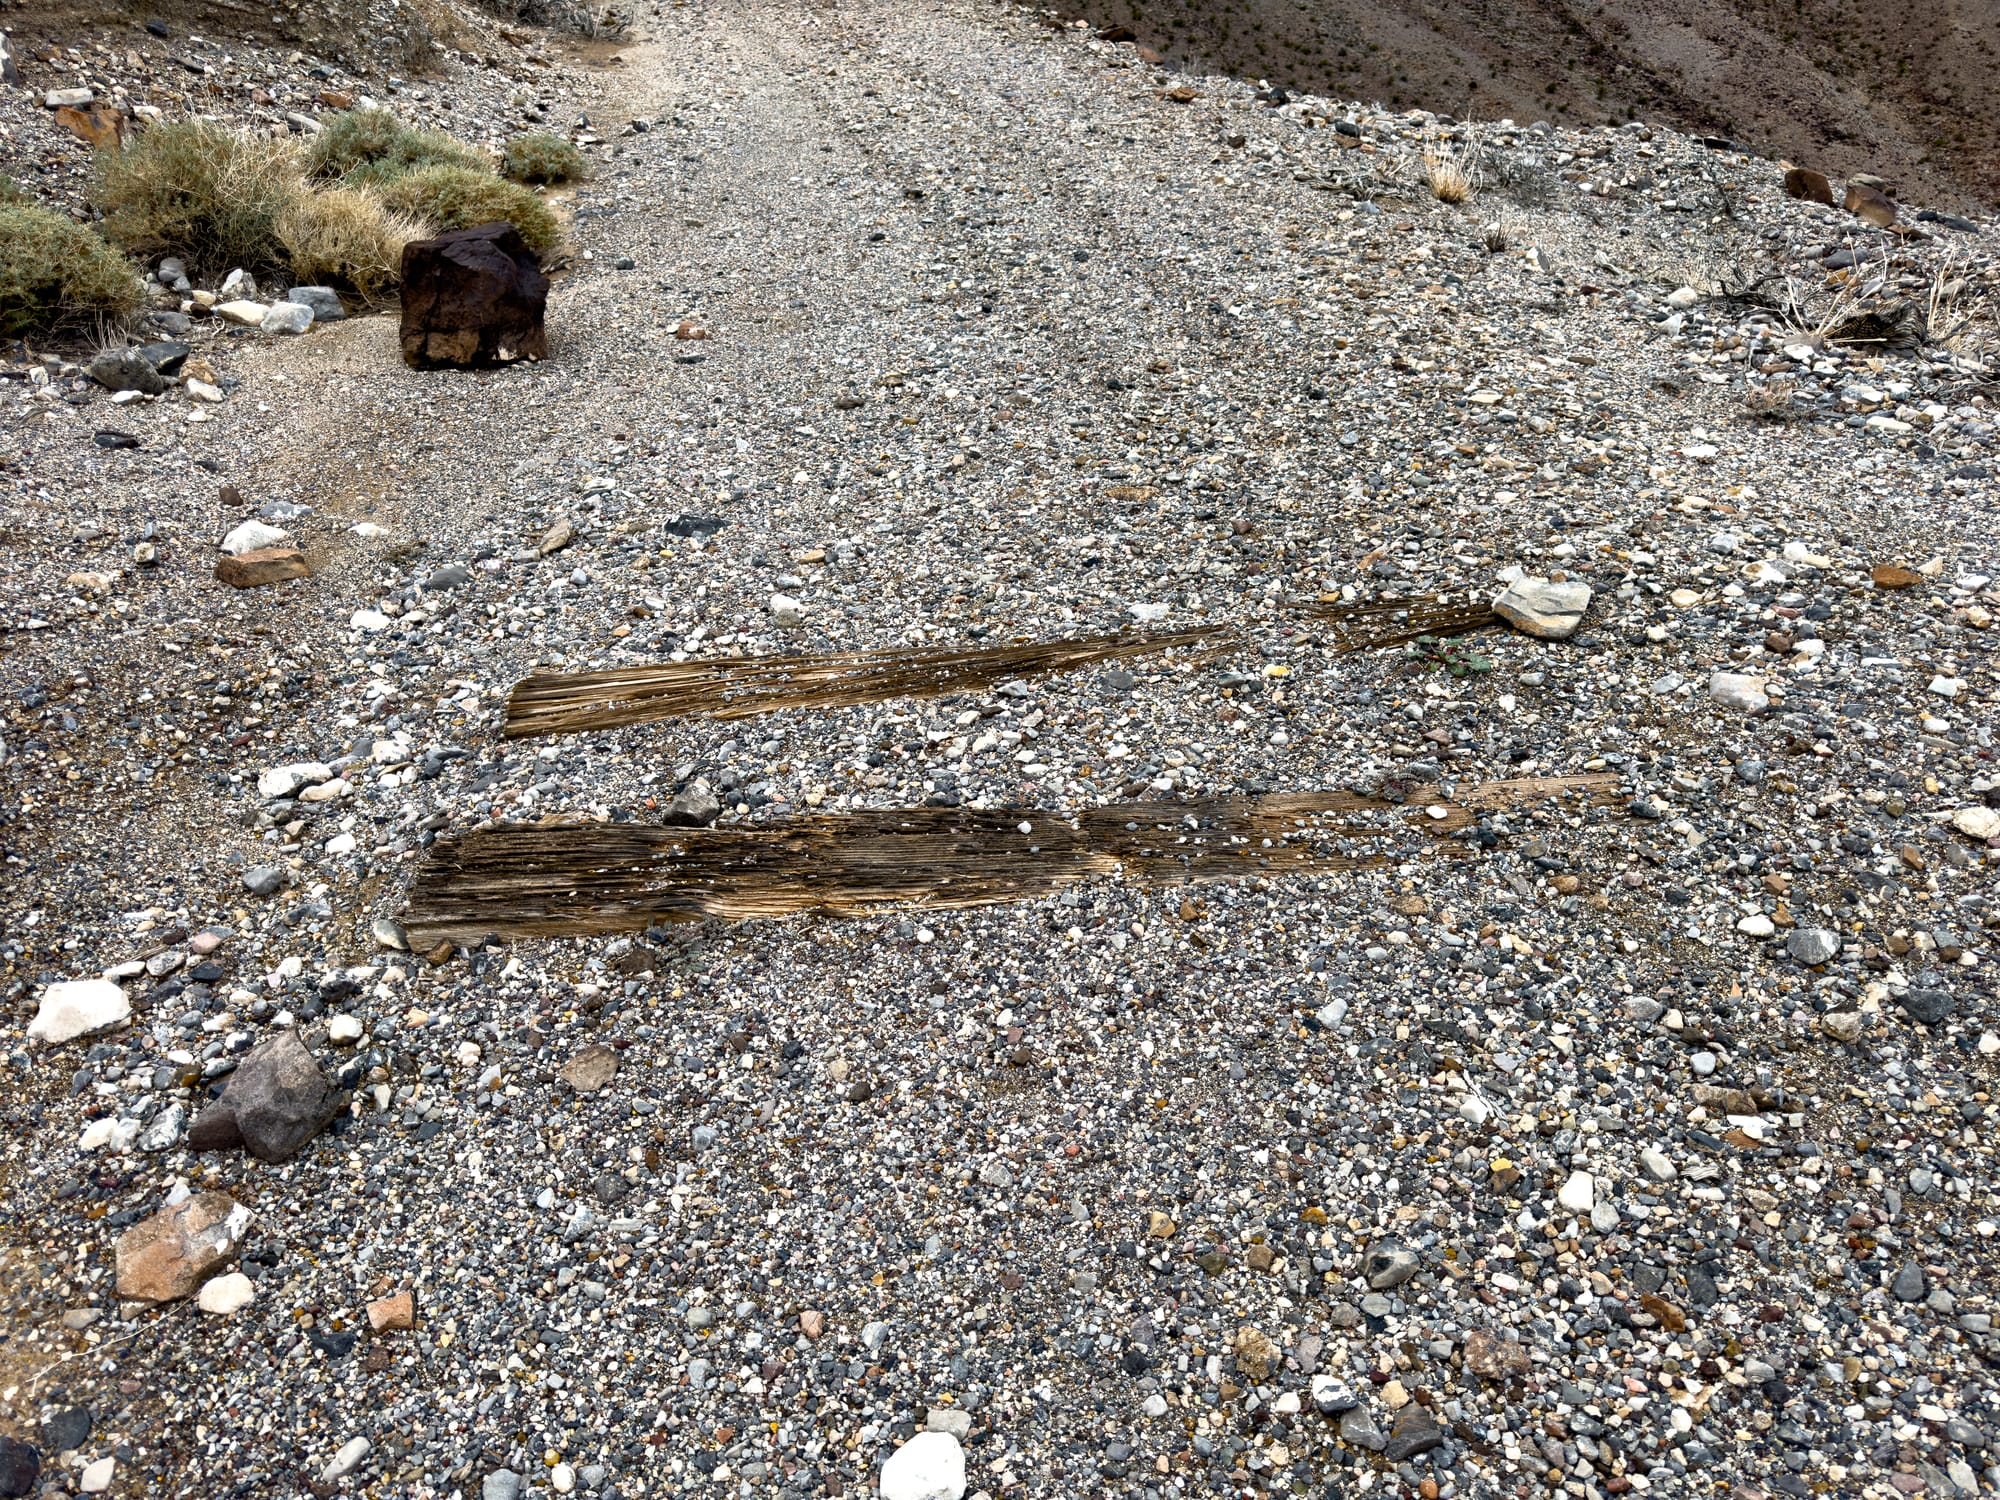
1627	1144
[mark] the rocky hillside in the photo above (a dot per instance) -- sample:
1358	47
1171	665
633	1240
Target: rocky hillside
1903	92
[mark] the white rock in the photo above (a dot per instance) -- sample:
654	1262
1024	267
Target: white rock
96	1477
930	1466
223	1295
341	843
348	1459
562	1479
1739	691
327	791
287	317
1548	611
785	610
1685	296
1947	687
373	621
368	530
72	1008
1977	822
343	1031
238	283
1657	1165
96	1135
283	781
1154	1405
1331	1014
201	390
70	98
1579	1193
1756	925
252	536
1147	614
247	314
1474	1110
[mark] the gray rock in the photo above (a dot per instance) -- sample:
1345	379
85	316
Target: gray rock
1548	611
323	300
287	317
1388	1263
1415	1431
1911	1284
1359	1429
167	356
164	1129
1738	690
238	283
694	807
173	324
66	1431
263	880
1331	1396
9	73
126	370
501	1484
1927	1006
1813	945
276	1101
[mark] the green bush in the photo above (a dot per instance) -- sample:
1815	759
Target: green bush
541	157
365	146
459	198
195	189
55	273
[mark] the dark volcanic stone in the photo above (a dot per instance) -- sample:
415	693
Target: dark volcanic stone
473	297
20	1467
66	1430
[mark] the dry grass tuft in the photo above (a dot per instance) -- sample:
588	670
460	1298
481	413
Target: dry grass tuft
459	198
54	273
1451	168
201	191
347	236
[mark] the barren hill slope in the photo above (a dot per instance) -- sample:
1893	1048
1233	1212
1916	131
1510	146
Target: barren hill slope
1845	86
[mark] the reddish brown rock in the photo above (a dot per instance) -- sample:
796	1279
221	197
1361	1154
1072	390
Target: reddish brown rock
1890	576
473	297
1671	1318
1493	1358
392	1314
171	1254
101	124
1872	204
252	570
1805	183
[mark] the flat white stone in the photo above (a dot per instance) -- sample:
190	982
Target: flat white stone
1579	1193
930	1466
244	313
72	1008
1546	610
253	536
96	1478
283	781
1977	822
223	1295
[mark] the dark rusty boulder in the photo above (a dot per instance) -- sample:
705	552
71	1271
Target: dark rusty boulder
473	297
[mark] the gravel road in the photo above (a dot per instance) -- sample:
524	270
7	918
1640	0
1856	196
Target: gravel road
1627	1140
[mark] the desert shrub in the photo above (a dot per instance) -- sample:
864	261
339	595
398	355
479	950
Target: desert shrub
55	273
198	190
373	146
541	157
349	237
458	198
